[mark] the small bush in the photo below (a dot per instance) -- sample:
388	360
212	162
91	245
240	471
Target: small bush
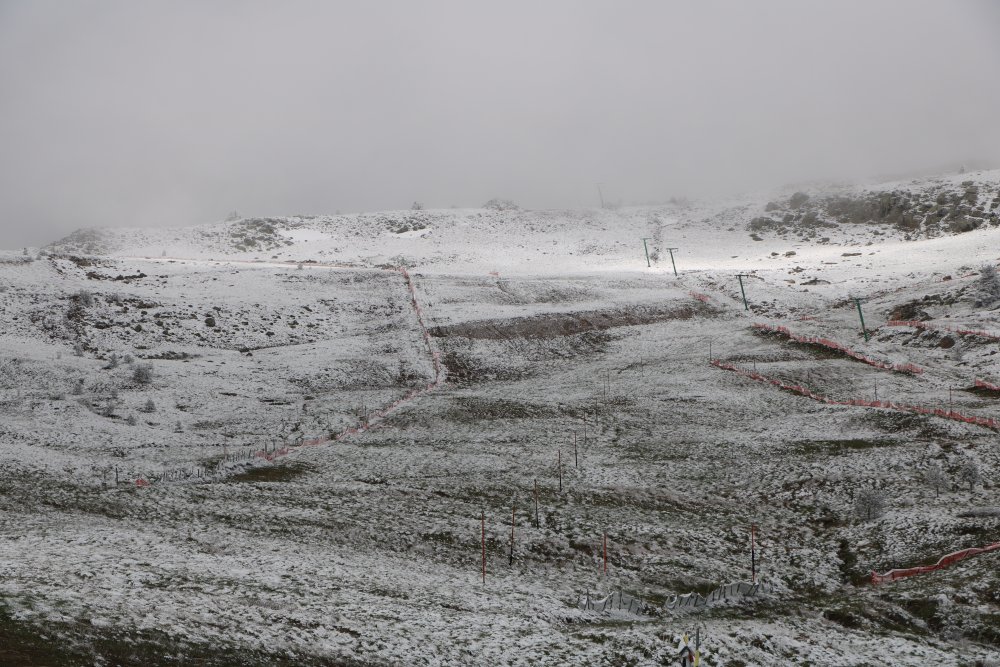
149	407
798	199
501	205
989	283
937	478
869	504
969	474
84	298
143	374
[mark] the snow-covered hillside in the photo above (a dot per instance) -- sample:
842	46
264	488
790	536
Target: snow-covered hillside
228	444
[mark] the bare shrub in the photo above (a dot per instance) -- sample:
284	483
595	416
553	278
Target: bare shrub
989	284
969	474
501	205
937	478
143	374
869	504
84	298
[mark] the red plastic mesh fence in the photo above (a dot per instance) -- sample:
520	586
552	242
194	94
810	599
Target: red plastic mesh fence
912	369
916	324
985	422
983	384
945	561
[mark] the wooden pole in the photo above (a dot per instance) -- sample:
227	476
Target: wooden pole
605	553
559	465
536	502
512	515
483	533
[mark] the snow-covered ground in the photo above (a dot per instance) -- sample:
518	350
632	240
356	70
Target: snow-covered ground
560	345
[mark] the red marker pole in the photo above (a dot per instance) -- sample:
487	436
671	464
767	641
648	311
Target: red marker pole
483	518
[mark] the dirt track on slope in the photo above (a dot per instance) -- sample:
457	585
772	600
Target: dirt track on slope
553	325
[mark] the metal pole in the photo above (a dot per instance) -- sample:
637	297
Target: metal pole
857	302
646	248
743	291
671	250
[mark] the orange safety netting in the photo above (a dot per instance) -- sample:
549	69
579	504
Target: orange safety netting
985	422
945	561
834	345
916	324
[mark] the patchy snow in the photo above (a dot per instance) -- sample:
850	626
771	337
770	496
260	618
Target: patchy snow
559	345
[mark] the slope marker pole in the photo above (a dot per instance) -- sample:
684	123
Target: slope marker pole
671	250
857	302
741	276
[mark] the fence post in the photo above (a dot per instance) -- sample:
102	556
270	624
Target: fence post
605	553
559	465
536	502
512	519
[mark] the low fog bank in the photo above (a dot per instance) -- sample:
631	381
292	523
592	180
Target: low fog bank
167	114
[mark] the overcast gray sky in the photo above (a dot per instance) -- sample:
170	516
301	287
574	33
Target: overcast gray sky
171	113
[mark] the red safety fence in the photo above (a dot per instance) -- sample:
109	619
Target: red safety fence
916	324
893	575
911	369
985	422
704	298
983	384
361	427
